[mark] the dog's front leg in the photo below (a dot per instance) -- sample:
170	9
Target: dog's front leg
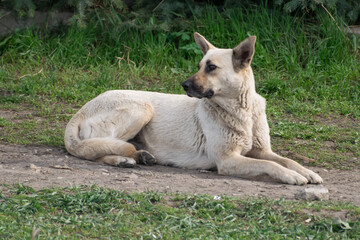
238	165
288	163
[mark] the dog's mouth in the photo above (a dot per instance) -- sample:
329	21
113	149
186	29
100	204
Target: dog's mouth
207	94
195	91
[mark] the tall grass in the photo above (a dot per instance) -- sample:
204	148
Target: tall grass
291	52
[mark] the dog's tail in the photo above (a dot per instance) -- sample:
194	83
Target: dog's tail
81	148
71	138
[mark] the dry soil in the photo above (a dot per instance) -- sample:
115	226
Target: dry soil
46	167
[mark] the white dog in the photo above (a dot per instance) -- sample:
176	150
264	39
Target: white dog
223	125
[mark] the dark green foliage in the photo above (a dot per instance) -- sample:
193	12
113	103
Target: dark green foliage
168	10
350	9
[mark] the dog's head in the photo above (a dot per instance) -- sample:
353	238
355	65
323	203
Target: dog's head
222	72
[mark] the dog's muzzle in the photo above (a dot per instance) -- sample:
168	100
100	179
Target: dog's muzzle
193	90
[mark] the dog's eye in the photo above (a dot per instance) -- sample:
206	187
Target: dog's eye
211	67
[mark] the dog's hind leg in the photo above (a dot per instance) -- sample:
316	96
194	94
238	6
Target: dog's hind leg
104	136
128	157
111	151
118	161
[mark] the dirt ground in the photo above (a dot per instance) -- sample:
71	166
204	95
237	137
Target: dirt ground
45	167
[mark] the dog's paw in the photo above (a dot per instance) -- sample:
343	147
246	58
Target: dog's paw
126	162
309	175
293	178
313	177
146	158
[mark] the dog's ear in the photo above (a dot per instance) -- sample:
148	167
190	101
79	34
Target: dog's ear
203	44
243	53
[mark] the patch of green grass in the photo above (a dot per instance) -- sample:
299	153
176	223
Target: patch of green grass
47	132
331	142
306	68
92	212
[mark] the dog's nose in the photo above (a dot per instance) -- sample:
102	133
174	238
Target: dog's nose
209	93
186	85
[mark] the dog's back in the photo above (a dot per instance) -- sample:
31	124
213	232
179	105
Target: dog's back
167	125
